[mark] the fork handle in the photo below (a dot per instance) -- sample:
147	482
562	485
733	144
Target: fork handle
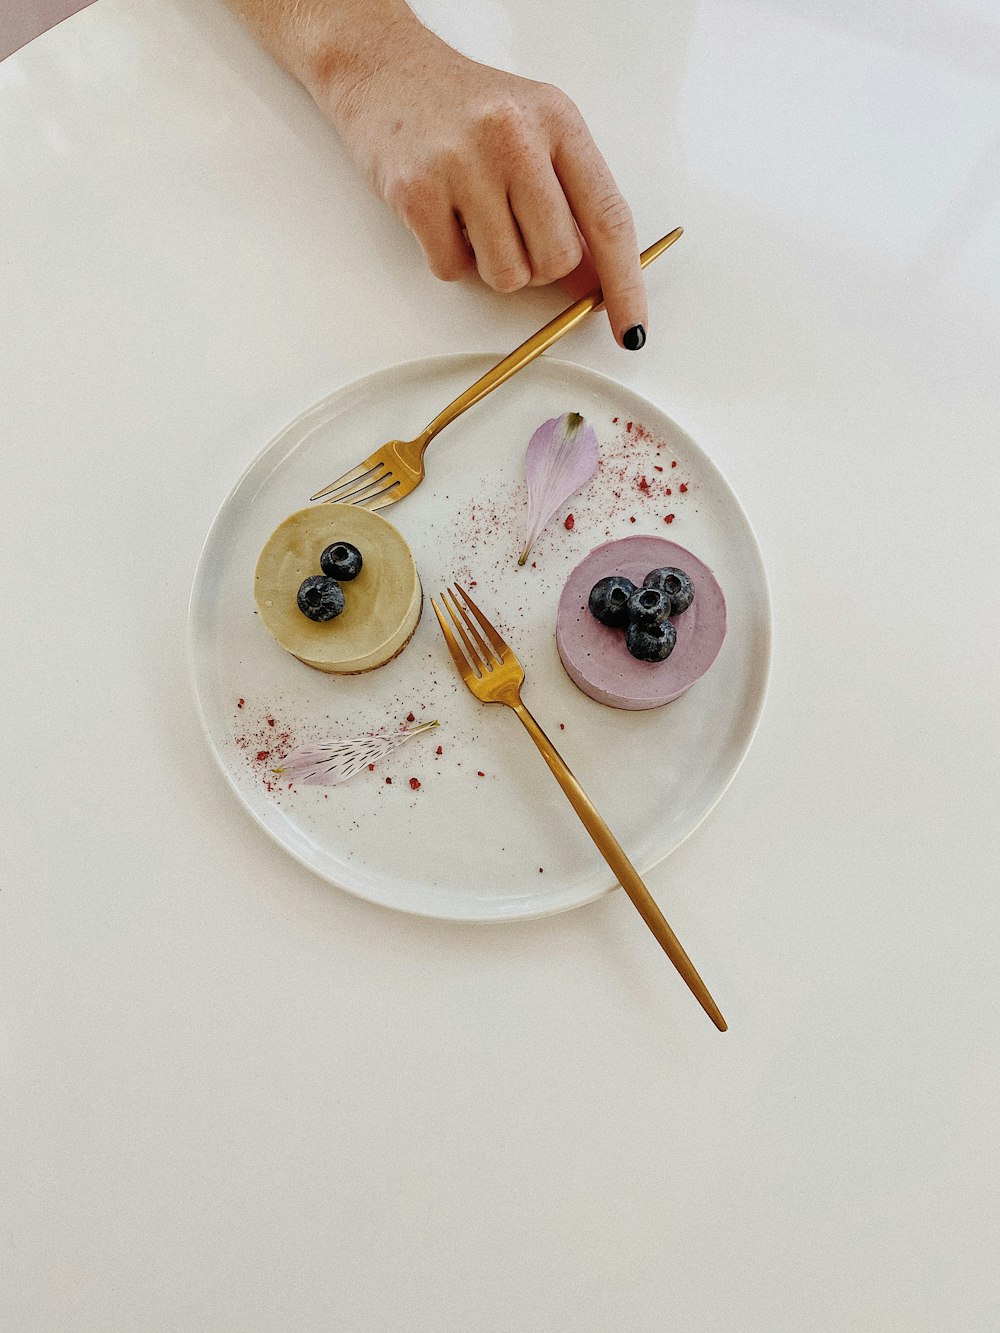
534	347
625	872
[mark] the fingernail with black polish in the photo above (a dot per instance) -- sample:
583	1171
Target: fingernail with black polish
634	337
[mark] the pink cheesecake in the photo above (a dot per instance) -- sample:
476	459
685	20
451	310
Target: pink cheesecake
595	657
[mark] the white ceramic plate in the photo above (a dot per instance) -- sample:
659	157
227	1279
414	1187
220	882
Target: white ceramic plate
487	835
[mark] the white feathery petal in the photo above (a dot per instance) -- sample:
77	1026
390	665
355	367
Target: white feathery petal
318	763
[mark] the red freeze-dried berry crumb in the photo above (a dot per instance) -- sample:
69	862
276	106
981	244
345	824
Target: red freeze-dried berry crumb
414	784
669	491
541	870
673	462
628	426
562	726
632	519
643	484
568	525
439	750
683	486
240	703
270	721
534	564
371	768
614	421
669	518
388	782
480	774
410	717
657	468
262	755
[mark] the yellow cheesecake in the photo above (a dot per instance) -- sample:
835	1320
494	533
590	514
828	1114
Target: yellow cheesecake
381	606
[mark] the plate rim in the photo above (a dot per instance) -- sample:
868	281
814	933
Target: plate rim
545	909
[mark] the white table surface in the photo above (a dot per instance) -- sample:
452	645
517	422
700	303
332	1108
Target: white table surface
235	1098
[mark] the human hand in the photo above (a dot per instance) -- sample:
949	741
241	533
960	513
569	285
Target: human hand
488	170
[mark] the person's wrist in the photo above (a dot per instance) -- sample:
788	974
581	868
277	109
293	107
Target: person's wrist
344	61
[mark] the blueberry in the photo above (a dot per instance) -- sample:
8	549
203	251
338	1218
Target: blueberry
320	598
648	607
651	644
341	561
609	600
675	583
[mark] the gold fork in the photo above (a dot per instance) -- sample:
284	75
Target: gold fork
495	676
397	468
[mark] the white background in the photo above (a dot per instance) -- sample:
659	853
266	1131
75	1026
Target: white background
234	1098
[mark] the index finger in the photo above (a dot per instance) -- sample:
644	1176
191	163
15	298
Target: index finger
584	277
605	221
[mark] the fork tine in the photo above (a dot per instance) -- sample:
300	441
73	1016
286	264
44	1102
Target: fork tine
457	656
485	651
475	657
498	643
382	503
381	498
348	479
369	490
353	492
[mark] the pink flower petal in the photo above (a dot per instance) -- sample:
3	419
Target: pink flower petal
562	456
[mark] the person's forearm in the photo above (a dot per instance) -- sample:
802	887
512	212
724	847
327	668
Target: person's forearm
328	44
